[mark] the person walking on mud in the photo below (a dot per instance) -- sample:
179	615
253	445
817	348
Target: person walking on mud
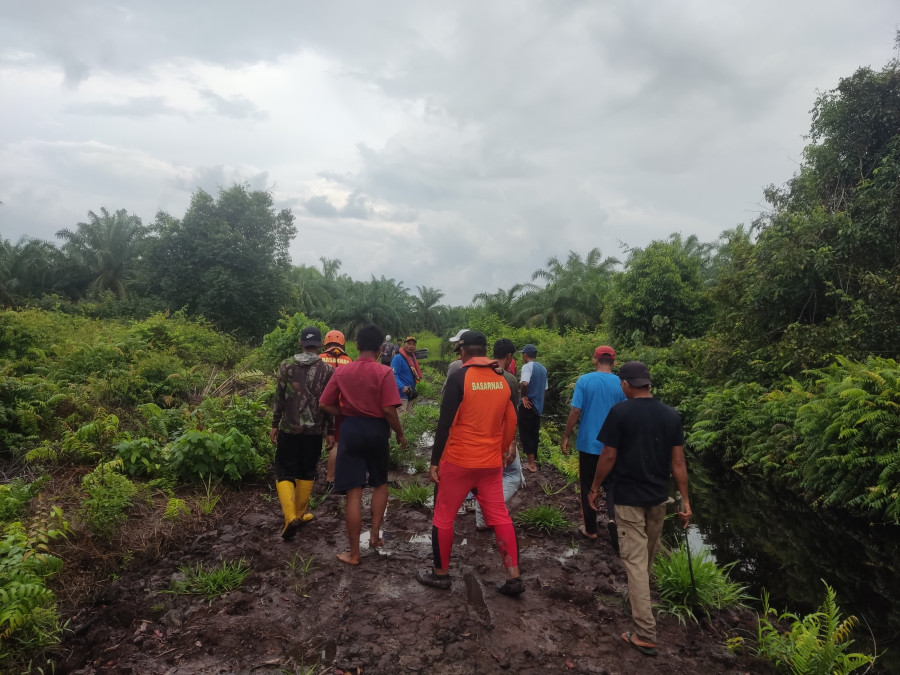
298	425
407	373
335	356
513	479
363	397
643	442
534	384
595	394
476	426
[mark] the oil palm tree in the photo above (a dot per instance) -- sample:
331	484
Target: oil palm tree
106	248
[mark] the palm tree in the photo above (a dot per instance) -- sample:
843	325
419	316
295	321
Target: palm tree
107	247
428	313
502	304
312	290
574	294
384	302
30	267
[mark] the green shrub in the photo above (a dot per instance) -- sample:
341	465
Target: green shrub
544	518
176	509
204	454
110	495
714	590
248	415
283	342
141	456
28	619
413	494
816	644
15	495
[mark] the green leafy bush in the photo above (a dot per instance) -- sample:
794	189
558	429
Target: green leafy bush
714	590
28	619
110	495
204	454
176	509
141	456
15	495
816	644
283	342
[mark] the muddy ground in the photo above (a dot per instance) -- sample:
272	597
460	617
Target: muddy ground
376	618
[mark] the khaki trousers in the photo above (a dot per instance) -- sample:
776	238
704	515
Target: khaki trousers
640	530
406	406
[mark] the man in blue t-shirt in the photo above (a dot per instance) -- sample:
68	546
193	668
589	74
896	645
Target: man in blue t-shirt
533	385
595	393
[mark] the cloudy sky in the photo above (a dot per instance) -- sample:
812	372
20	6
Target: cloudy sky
455	145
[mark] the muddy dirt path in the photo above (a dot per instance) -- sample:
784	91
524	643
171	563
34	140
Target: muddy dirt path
376	618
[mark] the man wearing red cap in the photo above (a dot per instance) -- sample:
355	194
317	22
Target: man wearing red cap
595	393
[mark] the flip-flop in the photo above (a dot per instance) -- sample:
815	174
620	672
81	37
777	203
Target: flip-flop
583	533
648	651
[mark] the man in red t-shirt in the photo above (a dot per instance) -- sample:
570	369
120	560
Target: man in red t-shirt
363	396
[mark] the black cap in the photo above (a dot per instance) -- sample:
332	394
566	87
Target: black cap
503	348
635	373
311	337
473	338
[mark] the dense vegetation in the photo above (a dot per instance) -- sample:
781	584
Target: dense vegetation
123	364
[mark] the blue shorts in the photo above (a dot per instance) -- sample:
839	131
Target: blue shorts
363	453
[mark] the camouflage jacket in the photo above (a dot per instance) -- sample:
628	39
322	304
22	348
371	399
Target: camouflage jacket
301	381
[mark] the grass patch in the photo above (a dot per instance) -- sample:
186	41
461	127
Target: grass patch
714	589
412	494
546	519
176	509
221	579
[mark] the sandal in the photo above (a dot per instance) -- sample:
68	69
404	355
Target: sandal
643	649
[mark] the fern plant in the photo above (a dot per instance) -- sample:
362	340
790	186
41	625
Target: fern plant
816	644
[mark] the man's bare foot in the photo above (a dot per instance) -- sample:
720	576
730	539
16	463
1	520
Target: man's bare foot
348	558
376	543
531	467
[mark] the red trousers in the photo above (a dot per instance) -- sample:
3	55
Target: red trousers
487	484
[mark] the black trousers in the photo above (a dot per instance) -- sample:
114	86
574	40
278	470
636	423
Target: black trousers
296	456
529	430
587	468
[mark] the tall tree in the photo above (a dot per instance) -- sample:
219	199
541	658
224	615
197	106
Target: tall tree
227	259
501	303
574	294
660	296
105	249
427	313
384	302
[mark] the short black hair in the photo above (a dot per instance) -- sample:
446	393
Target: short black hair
503	348
607	359
475	350
369	338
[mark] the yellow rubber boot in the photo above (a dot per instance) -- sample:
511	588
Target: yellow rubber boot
301	500
288	507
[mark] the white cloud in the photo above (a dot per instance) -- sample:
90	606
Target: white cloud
456	146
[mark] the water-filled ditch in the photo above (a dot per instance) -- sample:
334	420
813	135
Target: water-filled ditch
786	547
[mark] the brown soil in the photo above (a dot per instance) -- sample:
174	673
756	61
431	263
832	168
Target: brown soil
375	618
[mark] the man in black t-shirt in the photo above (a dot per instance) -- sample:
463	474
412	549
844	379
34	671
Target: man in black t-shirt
643	443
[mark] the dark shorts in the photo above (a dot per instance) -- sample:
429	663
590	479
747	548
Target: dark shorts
296	456
529	429
363	453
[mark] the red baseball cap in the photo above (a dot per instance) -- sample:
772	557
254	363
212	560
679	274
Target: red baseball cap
604	350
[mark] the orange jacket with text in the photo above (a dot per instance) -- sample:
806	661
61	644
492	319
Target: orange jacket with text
478	419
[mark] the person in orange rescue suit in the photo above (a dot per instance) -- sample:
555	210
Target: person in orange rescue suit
298	425
475	431
335	356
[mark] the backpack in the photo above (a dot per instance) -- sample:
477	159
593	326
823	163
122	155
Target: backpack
387	353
